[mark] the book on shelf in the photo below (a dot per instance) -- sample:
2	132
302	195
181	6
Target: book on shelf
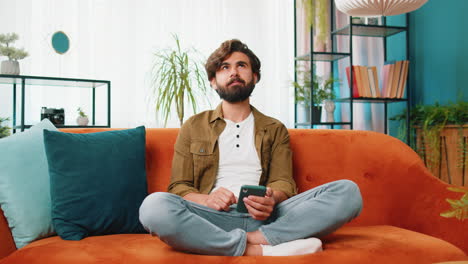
355	87
366	81
359	81
404	79
387	72
394	76
374	81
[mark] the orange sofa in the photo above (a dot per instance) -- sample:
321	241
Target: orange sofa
400	221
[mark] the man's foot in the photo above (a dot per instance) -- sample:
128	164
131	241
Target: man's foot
293	248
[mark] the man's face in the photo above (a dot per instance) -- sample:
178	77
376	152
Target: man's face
234	80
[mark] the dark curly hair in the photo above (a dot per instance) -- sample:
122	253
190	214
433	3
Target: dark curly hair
227	48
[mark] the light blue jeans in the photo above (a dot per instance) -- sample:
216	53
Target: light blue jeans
194	228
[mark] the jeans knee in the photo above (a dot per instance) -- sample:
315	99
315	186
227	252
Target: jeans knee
352	196
155	210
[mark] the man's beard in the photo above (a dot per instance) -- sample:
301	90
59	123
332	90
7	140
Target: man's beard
237	93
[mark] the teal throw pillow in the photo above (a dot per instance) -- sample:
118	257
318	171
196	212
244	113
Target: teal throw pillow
24	184
97	181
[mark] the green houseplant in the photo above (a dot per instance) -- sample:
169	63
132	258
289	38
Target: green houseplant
459	208
317	16
177	78
10	66
4	130
322	91
428	124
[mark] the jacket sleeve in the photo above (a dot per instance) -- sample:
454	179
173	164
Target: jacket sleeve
182	178
281	169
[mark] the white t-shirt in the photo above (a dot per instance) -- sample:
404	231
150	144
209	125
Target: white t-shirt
238	159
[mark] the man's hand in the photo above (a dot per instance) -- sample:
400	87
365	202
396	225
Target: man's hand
220	199
260	208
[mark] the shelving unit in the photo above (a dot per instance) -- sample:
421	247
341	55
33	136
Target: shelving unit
331	58
21	82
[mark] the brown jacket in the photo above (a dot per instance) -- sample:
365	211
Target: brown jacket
196	156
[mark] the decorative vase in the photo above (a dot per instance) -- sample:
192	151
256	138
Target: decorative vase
10	67
82	120
330	109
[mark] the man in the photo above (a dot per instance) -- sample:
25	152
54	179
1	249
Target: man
219	151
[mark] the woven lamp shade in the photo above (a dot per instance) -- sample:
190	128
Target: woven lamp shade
378	7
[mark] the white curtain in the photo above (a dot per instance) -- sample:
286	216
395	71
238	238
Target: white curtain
115	40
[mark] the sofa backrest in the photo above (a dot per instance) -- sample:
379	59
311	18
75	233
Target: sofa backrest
385	169
378	163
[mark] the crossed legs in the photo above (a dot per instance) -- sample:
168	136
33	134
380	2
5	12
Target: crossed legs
197	229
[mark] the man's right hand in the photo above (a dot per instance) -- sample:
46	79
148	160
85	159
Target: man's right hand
220	199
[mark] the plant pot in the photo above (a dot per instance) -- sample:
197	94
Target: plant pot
445	159
10	67
82	120
316	114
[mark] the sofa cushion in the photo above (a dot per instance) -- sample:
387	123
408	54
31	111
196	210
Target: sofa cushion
24	184
97	181
371	244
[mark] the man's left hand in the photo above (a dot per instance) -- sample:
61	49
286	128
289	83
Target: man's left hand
260	208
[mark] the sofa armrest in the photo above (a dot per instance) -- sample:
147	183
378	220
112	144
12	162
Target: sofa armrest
7	245
422	198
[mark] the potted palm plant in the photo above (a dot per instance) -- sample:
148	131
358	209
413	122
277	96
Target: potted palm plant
320	89
177	78
10	66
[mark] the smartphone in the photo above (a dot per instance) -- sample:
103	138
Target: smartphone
247	190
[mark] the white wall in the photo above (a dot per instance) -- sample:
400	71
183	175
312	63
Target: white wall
115	40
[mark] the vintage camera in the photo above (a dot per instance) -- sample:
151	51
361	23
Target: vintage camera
56	116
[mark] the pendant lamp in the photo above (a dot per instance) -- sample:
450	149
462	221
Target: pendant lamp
378	7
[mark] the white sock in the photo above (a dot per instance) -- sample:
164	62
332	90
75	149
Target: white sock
293	248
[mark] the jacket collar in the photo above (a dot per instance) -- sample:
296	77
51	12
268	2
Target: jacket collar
260	119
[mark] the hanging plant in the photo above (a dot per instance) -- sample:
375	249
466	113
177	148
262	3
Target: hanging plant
317	16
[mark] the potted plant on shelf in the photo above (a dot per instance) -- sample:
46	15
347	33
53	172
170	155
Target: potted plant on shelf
4	130
322	94
317	16
440	133
82	119
177	78
10	66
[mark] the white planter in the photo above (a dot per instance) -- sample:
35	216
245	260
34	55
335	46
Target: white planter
10	67
330	109
82	121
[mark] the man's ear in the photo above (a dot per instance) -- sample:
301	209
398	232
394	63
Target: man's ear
255	78
213	83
